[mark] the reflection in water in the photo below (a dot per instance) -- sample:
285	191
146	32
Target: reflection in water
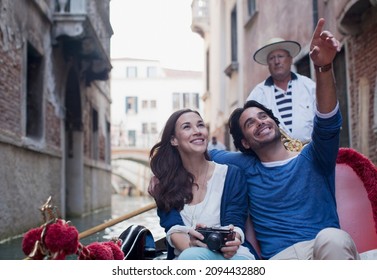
148	219
120	205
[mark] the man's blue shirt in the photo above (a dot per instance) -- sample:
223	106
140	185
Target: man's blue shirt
292	202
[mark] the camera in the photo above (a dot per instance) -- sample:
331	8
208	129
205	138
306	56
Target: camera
215	238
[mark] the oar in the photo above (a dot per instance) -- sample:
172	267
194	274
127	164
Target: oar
115	221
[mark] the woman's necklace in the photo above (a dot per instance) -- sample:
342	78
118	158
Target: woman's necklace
202	187
203	184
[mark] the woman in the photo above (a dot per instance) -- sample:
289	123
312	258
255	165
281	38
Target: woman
190	191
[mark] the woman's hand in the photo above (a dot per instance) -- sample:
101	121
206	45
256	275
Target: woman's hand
231	247
196	237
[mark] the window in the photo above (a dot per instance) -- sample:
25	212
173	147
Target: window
153	104
34	94
95	139
202	8
144	128
149	128
132	138
195	100
251	7
153	128
131	105
233	66
340	73
233	27
207	71
303	66
144	104
202	3
151	72
176	101
186	100
250	12
108	142
131	72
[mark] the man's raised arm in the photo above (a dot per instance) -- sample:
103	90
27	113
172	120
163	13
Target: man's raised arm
323	49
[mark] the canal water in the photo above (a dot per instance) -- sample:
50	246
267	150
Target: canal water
121	205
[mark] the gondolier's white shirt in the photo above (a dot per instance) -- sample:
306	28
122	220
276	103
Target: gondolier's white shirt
303	104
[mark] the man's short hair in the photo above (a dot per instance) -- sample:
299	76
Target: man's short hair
235	128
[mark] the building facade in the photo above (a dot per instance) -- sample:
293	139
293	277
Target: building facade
144	95
234	29
54	109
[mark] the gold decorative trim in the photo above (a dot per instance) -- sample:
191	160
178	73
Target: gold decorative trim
291	144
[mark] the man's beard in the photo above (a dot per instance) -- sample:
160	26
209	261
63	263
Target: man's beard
256	145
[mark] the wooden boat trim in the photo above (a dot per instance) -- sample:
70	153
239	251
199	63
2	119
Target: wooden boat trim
115	221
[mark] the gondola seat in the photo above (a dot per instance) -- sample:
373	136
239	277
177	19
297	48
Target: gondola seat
356	196
137	243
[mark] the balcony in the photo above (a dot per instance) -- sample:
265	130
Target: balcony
74	30
200	16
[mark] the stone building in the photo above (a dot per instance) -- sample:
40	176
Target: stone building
234	29
54	109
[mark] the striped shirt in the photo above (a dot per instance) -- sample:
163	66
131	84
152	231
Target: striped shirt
284	104
303	104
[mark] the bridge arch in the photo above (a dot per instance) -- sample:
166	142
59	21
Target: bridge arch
130	169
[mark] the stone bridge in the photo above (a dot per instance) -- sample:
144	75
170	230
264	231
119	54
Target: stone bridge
133	154
130	169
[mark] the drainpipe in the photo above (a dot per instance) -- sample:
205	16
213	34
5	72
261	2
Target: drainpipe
315	13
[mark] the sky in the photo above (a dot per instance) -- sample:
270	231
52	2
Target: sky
158	30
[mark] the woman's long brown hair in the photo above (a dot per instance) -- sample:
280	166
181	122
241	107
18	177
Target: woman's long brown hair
174	187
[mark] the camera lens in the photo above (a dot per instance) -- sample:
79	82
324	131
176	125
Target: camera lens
214	241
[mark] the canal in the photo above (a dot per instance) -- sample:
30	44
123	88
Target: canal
120	205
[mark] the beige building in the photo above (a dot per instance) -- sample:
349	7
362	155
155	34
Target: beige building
234	29
144	95
54	109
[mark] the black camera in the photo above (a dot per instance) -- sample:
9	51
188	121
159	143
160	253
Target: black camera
215	238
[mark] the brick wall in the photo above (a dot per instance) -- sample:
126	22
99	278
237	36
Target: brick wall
363	64
10	89
52	127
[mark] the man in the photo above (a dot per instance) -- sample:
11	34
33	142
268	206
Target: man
292	195
214	144
290	96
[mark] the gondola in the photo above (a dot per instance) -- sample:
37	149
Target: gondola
356	196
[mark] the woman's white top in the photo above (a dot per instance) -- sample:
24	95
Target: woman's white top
207	211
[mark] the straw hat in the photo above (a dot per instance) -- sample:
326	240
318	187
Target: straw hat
273	44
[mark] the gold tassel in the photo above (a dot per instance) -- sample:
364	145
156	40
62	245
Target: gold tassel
289	143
